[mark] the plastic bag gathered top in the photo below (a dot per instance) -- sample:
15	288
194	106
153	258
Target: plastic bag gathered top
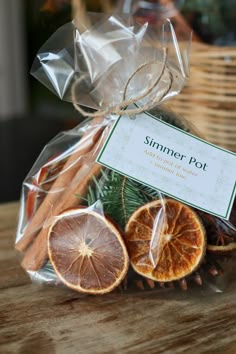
89	227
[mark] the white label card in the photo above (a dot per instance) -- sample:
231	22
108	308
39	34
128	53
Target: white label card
172	161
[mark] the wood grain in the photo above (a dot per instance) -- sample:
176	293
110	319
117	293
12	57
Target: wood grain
37	319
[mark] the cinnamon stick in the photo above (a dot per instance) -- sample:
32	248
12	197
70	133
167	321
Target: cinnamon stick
69	170
37	254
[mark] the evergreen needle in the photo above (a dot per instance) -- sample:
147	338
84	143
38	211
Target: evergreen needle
119	195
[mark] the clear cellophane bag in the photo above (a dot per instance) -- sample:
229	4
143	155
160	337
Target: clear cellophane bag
91	228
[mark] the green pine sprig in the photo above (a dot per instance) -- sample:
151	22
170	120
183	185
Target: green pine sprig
120	196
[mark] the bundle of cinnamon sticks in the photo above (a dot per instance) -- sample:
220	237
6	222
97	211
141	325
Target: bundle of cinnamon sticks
65	192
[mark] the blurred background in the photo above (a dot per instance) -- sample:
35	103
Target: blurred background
30	115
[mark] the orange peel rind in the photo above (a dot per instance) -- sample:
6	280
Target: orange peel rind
175	250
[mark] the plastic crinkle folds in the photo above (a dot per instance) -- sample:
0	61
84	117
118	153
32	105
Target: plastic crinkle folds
89	227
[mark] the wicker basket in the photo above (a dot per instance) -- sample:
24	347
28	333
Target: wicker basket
209	98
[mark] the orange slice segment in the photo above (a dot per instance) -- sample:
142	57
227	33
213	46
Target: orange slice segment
87	251
165	239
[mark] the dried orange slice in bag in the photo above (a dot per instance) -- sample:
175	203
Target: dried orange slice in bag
165	239
87	251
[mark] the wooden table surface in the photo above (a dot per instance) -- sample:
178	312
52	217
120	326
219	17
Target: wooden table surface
41	319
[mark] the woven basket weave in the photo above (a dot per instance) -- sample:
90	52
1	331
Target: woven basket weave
209	98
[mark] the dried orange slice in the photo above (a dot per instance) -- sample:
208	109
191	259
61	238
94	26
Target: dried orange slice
222	249
165	239
221	235
87	251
